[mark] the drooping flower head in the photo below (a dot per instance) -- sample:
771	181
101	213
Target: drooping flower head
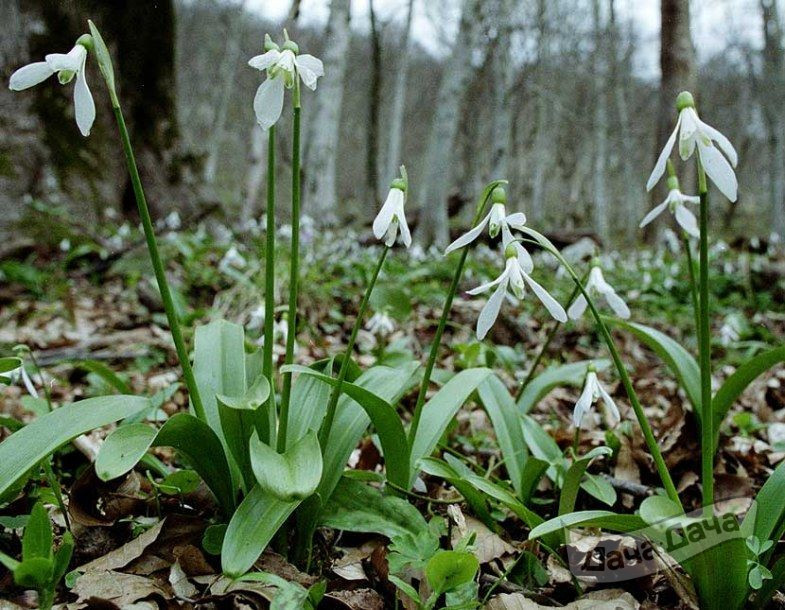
596	285
283	64
67	66
391	218
515	278
675	202
693	133
592	392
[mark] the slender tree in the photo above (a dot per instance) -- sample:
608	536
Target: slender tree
374	103
600	193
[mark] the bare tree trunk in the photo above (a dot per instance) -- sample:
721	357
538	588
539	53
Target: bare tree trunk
501	92
773	96
230	62
257	167
536	211
320	180
457	71
600	193
374	102
395	132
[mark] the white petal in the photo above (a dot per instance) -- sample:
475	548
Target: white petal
468	237
84	107
406	235
597	281
383	219
486	287
659	167
617	304
30	75
264	61
689	198
517	220
611	411
583	405
71	61
553	307
687	220
524	258
491	310
722	141
719	170
689	133
310	69
268	102
577	308
653	214
391	235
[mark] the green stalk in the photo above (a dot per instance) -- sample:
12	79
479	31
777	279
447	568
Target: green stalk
294	273
693	283
158	266
269	287
324	432
648	435
482	204
704	334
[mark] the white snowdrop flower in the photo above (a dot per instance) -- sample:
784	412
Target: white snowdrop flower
173	221
694	133
598	285
514	277
256	318
391	218
67	66
65	244
497	220
675	202
380	324
283	65
592	392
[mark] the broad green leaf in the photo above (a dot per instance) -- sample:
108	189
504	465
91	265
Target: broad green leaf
201	447
768	518
104	60
180	482
293	475
574	476
290	595
719	575
34	573
62	557
10	363
734	385
123	449
449	570
572	374
111	378
533	471
439	411
253	398
251	528
655	509
599	488
357	507
25	448
351	420
37	539
502	411
589	518
308	403
384	417
678	359
9	562
770	586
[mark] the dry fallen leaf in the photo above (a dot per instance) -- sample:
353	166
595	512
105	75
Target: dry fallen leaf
487	545
116	587
607	599
124	555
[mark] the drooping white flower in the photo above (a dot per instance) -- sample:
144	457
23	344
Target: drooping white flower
694	133
391	218
67	66
592	392
597	285
675	203
515	278
380	324
283	65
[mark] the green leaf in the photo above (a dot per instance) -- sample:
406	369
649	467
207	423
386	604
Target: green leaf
734	385
502	411
574	476
391	300
37	539
768	518
769	587
572	374
12	424
589	518
405	588
251	528
678	359
10	563
62	557
449	570
253	398
439	411
655	509
308	403
213	538
533	471
10	363
104	61
180	483
111	378
35	573
290	595
384	417
295	475
599	488
123	449
719	575
25	448
357	507
543	446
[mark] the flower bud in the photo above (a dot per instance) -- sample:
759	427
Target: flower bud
269	45
291	45
591	368
509	251
86	41
498	213
499	195
673	183
398	183
684	100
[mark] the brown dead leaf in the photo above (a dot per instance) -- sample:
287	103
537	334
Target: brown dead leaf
487	545
355	599
182	587
350	565
116	587
124	555
606	599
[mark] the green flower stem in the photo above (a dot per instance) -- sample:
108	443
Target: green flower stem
327	424
482	204
648	435
704	334
269	289
158	266
693	283
294	275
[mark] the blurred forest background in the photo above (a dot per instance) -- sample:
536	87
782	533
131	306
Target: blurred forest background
569	99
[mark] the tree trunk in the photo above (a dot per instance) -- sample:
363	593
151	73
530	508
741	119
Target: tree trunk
501	91
600	193
542	153
374	102
457	71
773	98
320	179
395	132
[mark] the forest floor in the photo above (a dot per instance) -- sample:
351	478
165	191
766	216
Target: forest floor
87	310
